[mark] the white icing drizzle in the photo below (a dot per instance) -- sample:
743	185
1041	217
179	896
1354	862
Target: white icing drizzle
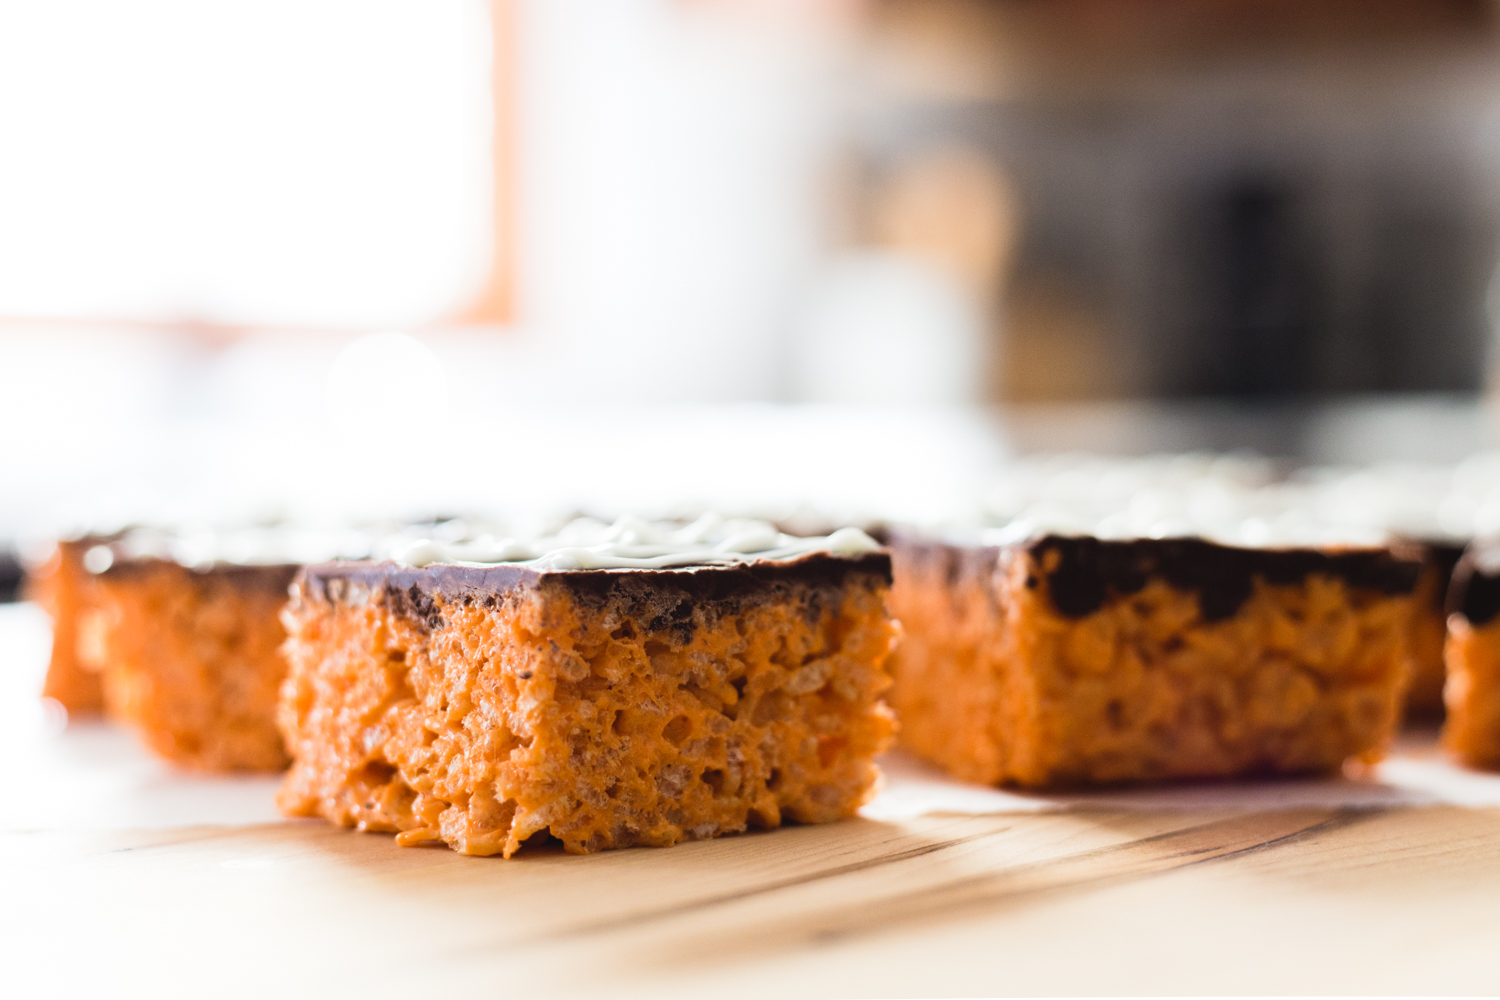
1234	500
1229	500
202	546
628	543
585	543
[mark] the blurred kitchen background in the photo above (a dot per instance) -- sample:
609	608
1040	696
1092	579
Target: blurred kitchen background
328	258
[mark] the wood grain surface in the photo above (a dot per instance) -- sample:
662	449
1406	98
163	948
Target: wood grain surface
1369	901
122	877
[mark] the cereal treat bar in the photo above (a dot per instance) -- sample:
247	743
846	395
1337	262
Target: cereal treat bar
1429	629
186	631
1472	729
192	661
64	589
1059	660
618	685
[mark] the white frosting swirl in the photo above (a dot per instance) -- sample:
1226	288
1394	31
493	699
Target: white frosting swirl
628	543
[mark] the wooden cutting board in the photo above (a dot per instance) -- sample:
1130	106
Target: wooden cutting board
1318	900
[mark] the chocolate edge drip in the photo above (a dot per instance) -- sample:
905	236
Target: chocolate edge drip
1090	570
1474	593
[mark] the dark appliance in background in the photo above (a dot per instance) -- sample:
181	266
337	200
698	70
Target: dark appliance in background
1251	200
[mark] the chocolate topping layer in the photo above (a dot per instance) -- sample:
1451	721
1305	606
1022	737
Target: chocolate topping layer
273	578
1475	590
1089	569
413	590
1084	572
957	562
1443	557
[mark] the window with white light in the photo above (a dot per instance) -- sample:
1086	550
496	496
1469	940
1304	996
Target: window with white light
292	163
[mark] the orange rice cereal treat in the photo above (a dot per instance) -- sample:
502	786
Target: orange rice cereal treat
191	658
634	684
1429	628
188	634
1472	729
1055	660
64	588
